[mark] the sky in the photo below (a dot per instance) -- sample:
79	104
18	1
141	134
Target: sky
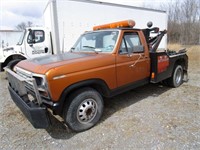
13	12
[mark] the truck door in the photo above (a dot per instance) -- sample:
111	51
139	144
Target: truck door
132	63
37	44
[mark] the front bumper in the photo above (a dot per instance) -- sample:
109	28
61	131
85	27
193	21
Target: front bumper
37	115
33	109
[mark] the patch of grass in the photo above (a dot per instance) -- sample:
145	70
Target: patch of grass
193	52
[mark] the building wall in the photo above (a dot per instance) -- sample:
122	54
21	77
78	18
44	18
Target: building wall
9	37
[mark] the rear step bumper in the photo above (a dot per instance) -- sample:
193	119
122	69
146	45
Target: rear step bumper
37	115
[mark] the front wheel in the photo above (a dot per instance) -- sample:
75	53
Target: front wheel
12	63
85	109
177	77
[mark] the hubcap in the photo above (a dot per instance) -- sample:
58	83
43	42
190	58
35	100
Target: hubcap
178	76
87	110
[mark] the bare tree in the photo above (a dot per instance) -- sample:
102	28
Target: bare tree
24	25
183	21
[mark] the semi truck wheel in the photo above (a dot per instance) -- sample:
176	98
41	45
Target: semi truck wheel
85	109
177	77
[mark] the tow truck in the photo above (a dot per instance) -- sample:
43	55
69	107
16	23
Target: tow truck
111	59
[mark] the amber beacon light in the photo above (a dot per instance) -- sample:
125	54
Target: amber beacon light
119	24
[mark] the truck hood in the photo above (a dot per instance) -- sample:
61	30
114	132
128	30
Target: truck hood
66	63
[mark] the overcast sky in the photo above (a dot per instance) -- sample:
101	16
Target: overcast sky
13	12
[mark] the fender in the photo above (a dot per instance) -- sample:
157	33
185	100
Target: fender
97	84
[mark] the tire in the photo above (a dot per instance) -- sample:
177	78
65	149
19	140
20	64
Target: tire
12	63
177	77
84	110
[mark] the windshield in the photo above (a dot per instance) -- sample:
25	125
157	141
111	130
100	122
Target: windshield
102	41
21	38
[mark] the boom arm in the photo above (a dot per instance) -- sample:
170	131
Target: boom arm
153	42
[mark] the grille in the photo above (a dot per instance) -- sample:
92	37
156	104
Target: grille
28	78
22	82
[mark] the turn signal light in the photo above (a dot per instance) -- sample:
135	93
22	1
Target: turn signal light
120	24
152	75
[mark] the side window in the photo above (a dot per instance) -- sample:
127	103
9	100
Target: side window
109	41
131	43
36	36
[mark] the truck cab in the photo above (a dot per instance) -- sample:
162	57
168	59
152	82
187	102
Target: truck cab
34	42
111	59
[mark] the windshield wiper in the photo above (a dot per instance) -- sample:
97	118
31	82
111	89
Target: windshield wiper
89	47
93	49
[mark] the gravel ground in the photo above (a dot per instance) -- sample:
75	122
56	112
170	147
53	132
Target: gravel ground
149	117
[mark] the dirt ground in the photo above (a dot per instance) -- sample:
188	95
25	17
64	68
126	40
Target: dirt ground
149	117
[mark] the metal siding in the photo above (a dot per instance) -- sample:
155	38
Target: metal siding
9	37
77	16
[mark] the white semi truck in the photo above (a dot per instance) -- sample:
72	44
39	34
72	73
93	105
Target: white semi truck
65	20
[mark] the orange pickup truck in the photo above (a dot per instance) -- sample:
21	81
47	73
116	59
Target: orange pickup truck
107	61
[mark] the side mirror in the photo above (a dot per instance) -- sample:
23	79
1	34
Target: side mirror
29	30
31	36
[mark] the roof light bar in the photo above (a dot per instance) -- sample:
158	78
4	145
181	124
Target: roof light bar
119	24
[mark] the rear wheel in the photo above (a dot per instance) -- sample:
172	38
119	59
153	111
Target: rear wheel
177	77
85	109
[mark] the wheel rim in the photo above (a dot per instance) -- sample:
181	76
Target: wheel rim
178	77
87	110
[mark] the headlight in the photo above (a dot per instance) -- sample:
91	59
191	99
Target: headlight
42	85
39	81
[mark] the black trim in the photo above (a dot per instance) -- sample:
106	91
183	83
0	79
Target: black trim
128	87
37	115
98	85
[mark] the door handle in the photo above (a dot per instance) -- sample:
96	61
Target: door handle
131	65
46	49
129	55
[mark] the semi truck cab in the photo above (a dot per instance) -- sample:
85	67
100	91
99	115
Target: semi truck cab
34	42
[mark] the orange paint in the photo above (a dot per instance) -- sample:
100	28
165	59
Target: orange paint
119	24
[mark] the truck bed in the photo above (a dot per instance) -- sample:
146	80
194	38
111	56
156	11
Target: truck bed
162	63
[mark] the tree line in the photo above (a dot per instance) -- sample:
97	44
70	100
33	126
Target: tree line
183	21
